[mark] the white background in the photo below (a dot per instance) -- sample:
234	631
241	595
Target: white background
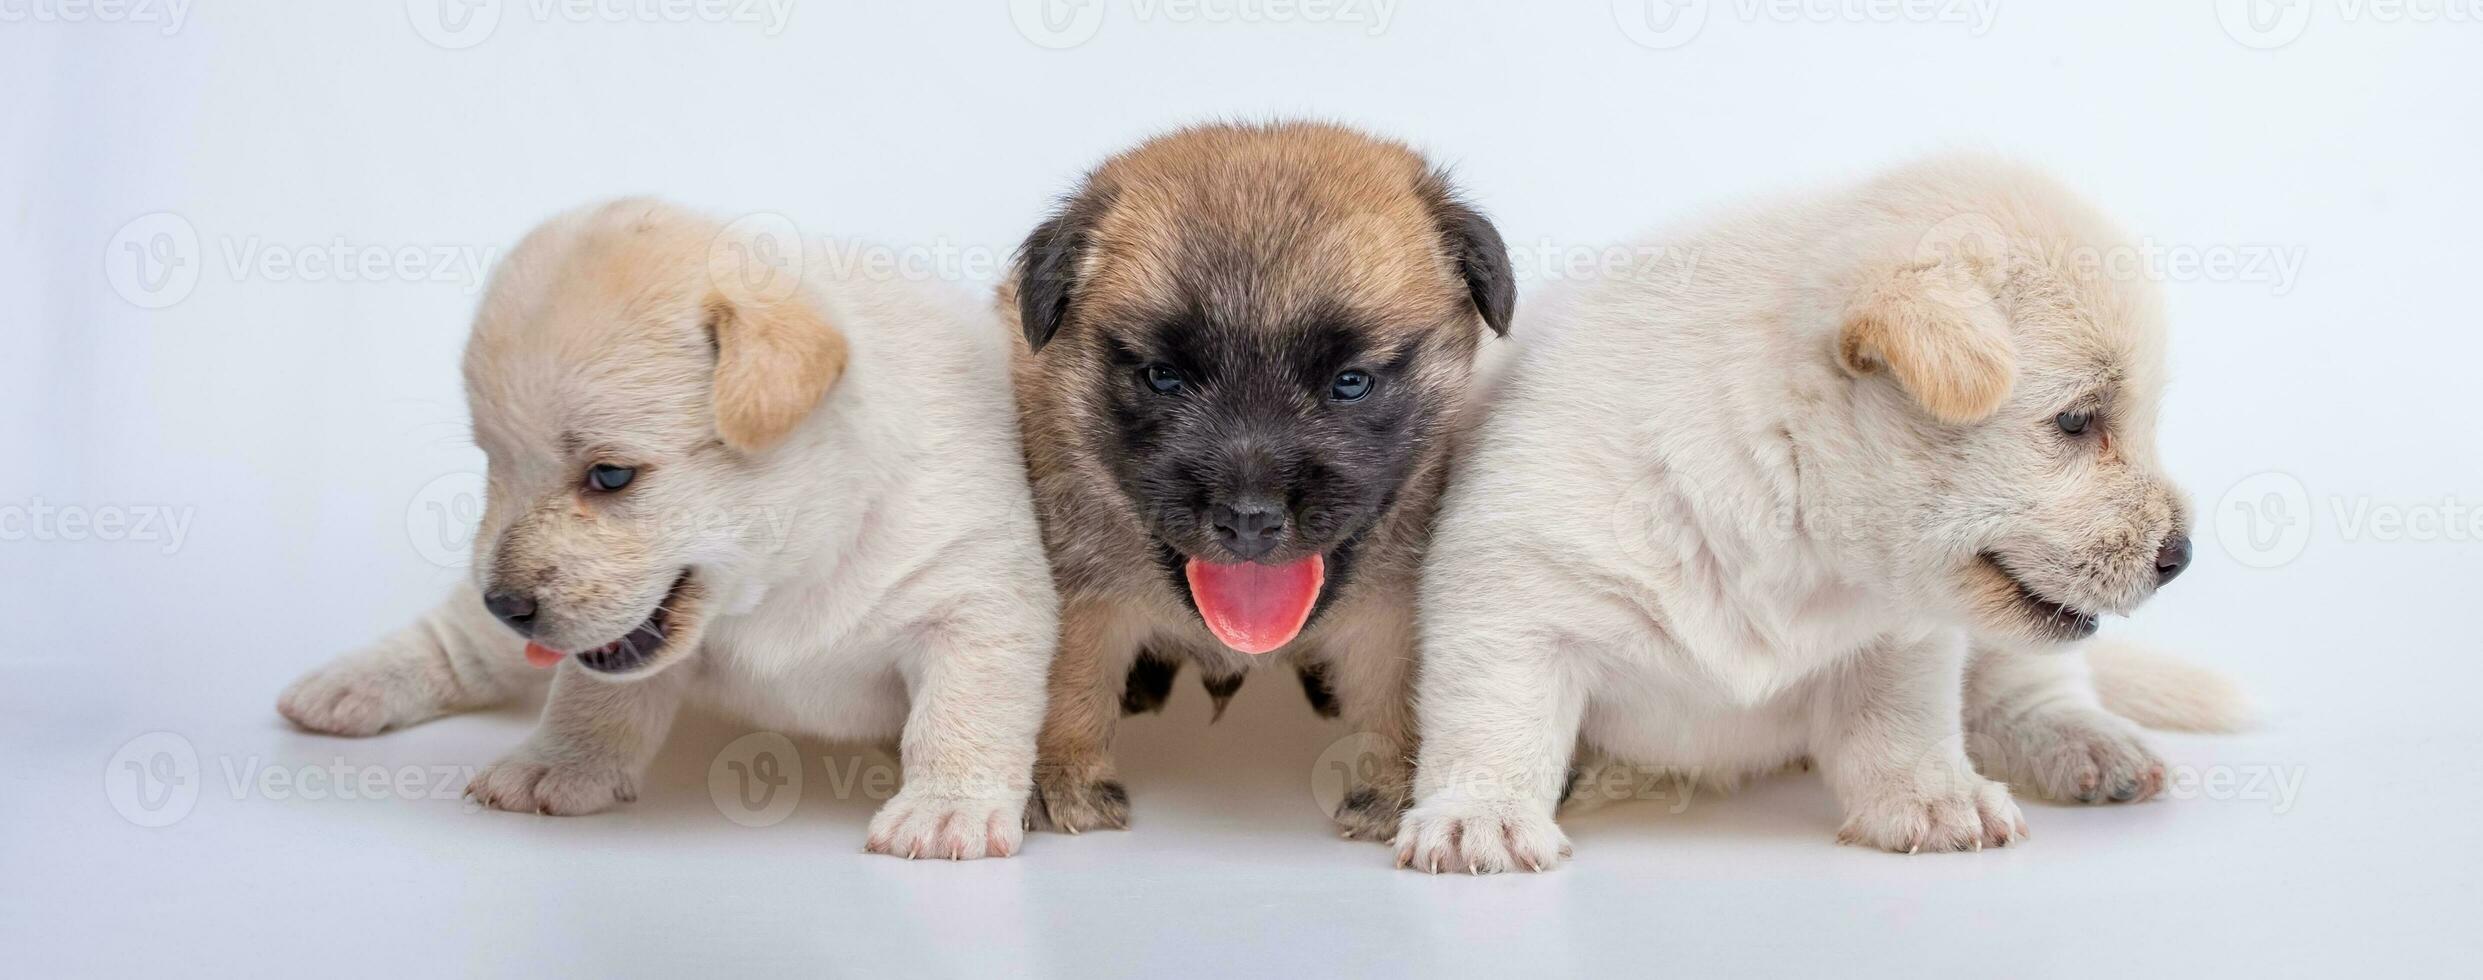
302	428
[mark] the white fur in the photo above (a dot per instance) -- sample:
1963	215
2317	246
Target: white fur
879	574
1710	528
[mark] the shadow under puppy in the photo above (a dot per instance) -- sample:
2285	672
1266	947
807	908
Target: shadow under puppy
1245	349
802	502
1759	506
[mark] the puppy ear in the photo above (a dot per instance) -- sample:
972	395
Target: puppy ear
1048	265
1940	333
1482	260
776	357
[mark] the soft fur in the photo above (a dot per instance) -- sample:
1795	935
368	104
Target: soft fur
1755	509
1261	261
830	508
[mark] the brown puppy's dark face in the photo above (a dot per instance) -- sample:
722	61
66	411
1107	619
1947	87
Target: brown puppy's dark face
1241	440
1261	334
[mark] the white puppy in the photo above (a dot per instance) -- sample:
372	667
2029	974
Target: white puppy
1753	509
799	501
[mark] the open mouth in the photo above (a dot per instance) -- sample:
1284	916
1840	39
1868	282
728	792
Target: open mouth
635	648
1255	608
2056	619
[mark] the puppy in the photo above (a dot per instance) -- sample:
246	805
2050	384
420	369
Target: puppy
801	502
1754	509
1245	347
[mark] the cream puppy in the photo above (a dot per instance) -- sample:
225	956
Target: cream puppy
1756	507
799	501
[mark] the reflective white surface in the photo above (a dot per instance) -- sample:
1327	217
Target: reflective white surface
293	443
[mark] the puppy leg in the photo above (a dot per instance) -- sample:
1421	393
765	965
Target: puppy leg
1075	786
1372	685
969	746
455	658
594	742
1499	717
2033	720
1888	735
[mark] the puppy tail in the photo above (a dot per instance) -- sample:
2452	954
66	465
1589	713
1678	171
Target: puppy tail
2164	693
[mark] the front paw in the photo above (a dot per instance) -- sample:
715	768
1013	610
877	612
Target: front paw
930	825
2084	757
1480	838
1072	803
1368	813
528	782
1964	812
354	696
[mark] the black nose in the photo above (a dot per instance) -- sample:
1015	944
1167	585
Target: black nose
2172	558
514	608
1247	530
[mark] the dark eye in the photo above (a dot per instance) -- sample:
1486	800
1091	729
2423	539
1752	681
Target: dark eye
1164	379
607	478
2074	423
1351	386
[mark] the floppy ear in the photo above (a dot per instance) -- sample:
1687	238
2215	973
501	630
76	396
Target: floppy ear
1047	268
1939	333
776	357
1482	260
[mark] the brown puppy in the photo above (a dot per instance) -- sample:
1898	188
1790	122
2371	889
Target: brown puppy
1245	349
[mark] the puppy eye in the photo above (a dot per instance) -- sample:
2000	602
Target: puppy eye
1163	379
1351	386
2073	423
607	478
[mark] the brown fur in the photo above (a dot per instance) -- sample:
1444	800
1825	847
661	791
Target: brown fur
1940	334
1261	225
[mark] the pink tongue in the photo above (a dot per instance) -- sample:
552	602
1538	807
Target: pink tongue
1256	608
542	656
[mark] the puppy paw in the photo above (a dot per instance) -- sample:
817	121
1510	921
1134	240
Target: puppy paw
1072	804
1369	814
355	696
929	825
1963	813
524	782
2087	757
1479	838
